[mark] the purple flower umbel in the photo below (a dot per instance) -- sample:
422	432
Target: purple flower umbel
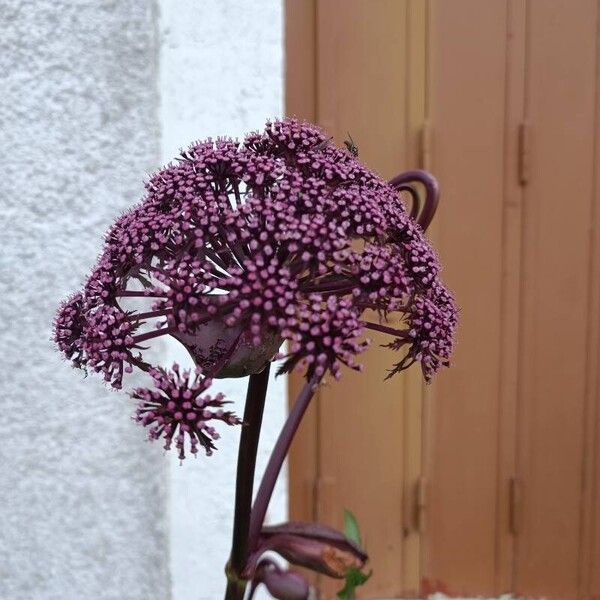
178	407
239	246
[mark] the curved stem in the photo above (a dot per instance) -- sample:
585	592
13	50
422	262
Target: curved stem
253	413
280	450
432	193
416	199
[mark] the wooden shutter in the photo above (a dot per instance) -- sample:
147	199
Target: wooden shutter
500	100
364	434
561	100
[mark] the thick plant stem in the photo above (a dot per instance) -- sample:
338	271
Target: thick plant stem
253	413
404	182
236	590
280	450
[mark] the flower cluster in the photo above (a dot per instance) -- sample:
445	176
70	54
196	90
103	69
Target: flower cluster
69	327
323	333
240	246
178	408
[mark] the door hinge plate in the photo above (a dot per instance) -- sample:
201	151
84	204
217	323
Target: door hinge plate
514	505
420	504
425	146
414	506
523	150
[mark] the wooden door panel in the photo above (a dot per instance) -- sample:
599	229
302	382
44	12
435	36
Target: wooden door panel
362	70
591	527
560	107
509	88
467	106
361	425
515	175
590	564
362	76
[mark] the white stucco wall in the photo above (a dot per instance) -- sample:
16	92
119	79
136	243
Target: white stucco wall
89	510
221	73
82	502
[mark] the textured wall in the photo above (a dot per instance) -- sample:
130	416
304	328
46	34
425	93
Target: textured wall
221	74
82	507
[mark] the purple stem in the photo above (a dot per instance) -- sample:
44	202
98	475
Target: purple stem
384	329
341	286
416	200
280	450
212	255
140	364
253	413
149	315
136	294
152	334
432	193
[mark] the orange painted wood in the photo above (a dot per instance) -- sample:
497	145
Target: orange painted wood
522	401
300	100
467	113
363	423
590	567
507	517
300	59
560	103
414	387
300	89
362	90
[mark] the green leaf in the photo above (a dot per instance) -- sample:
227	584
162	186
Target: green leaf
351	530
354	577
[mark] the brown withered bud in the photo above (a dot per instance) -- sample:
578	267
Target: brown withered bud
313	546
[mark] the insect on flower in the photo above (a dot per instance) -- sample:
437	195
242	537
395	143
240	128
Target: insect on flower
322	145
351	146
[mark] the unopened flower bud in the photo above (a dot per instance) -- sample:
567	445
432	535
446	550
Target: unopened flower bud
315	547
284	585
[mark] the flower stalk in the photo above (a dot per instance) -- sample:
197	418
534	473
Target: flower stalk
280	450
248	523
249	438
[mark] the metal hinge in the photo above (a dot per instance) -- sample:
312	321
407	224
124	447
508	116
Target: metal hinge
514	505
523	151
420	504
425	146
414	508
